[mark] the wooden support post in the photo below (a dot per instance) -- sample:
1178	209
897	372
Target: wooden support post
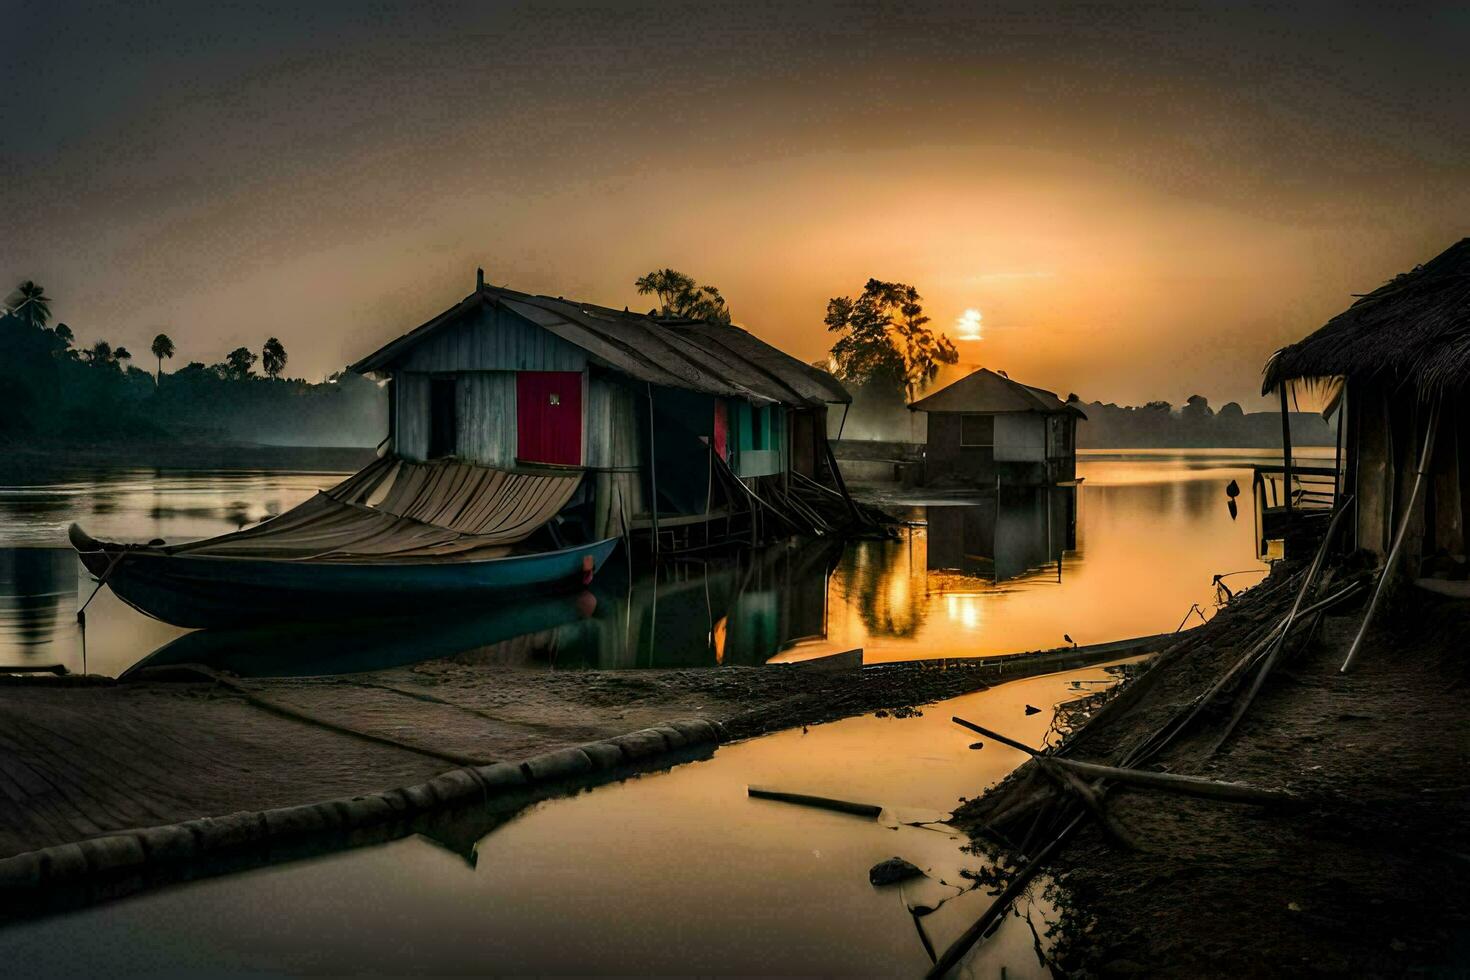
1286	450
652	472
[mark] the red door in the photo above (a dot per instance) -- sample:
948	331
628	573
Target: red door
722	431
549	417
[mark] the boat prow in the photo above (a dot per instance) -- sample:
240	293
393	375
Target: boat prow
81	540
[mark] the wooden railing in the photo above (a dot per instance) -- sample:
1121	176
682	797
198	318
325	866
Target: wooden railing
1307	495
1310	487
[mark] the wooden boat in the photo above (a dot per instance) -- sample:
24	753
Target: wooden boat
396	538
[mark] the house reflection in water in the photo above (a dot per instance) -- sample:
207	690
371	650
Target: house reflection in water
1015	531
746	608
936	581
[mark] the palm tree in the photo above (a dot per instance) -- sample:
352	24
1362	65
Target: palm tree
162	347
101	353
273	358
64	332
33	299
120	355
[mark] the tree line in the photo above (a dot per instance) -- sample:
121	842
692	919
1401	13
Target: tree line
55	390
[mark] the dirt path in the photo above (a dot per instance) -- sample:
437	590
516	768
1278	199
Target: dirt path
1365	877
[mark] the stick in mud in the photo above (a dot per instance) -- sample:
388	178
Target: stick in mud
821	802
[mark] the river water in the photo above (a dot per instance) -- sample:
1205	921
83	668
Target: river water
669	872
672	872
1130	552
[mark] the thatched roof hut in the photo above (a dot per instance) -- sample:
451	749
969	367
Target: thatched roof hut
1400	357
1413	330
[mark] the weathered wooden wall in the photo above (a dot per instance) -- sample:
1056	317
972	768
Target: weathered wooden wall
616	450
1018	457
1020	438
486	404
411	408
493	340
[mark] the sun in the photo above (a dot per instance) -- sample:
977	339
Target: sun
968	325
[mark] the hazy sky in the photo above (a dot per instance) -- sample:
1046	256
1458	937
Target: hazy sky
1142	201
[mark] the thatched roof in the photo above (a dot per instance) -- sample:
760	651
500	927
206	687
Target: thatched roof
984	392
717	359
1414	329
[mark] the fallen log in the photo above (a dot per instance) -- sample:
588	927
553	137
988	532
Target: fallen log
821	802
1175	783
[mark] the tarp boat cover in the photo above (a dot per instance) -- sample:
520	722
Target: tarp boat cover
394	510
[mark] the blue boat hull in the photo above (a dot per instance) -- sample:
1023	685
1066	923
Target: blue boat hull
211	592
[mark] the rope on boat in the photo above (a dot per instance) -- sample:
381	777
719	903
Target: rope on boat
101	581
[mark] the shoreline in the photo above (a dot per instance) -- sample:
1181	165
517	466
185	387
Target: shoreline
1362	874
185	456
118	787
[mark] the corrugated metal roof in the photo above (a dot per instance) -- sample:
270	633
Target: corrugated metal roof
713	358
985	392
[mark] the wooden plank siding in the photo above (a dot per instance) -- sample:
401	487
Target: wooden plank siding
493	340
482	353
487	418
615	450
411	407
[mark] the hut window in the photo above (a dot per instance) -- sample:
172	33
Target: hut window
759	419
977	430
555	398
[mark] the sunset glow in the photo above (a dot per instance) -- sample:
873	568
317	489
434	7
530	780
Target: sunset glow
339	201
967	325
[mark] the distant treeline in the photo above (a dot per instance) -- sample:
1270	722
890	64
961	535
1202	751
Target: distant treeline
1158	425
53	393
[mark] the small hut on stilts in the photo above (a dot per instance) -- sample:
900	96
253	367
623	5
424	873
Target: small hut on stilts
687	434
1397	362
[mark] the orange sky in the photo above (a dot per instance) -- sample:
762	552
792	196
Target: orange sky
1143	205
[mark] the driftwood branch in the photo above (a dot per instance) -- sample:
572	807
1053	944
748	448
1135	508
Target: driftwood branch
1175	783
1186	785
821	802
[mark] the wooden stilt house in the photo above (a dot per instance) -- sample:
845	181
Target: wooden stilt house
1398	360
688	432
986	430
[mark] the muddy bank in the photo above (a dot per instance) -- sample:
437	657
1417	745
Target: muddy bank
1362	876
81	758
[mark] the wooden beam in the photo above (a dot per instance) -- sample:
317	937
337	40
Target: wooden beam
1286	449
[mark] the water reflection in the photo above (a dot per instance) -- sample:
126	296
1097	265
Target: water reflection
1127	553
1010	533
33	584
742	609
676	872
